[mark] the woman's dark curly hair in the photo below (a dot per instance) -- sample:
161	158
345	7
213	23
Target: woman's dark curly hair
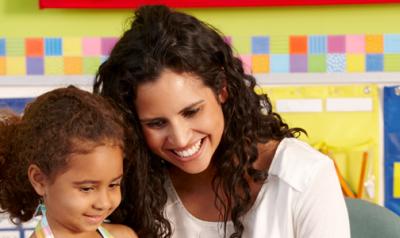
55	125
159	39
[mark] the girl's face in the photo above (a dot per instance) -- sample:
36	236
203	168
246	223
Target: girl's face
81	197
182	119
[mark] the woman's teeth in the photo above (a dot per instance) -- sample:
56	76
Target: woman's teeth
190	151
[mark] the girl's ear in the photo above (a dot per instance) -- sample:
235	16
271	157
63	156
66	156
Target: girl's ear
38	179
223	94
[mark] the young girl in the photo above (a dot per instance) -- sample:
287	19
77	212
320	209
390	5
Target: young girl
220	162
64	158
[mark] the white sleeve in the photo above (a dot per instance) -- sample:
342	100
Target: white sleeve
321	210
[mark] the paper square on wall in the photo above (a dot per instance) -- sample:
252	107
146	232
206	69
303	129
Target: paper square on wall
34	65
91	46
298	63
355	44
317	44
73	65
242	44
279	63
34	47
53	46
2	47
2	65
317	63
260	63
298	44
355	62
374	63
336	44
260	45
391	62
15	47
279	44
246	62
54	65
90	65
392	43
72	46
336	63
107	44
15	66
374	44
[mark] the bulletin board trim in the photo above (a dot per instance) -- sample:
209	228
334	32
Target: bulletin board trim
197	3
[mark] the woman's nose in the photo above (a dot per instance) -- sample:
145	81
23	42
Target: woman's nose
179	134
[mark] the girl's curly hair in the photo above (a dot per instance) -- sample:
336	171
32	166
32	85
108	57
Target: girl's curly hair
159	39
55	125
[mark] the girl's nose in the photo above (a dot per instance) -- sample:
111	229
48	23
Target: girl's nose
103	201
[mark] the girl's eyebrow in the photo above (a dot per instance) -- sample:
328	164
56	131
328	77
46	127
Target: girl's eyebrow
95	181
144	120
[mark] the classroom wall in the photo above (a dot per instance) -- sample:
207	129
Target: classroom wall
23	18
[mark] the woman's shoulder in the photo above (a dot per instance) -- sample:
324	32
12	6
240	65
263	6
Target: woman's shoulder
119	231
297	163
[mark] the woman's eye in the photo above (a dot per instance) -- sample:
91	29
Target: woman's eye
156	124
191	112
114	185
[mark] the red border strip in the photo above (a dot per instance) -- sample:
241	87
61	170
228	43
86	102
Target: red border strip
196	3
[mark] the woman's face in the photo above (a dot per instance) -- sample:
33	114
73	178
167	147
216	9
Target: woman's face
182	119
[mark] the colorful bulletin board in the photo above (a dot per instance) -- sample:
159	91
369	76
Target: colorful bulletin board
347	128
196	3
262	54
392	147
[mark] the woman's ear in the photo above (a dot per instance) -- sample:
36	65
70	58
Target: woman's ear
223	94
38	179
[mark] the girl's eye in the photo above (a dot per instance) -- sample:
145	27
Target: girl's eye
156	123
115	185
191	112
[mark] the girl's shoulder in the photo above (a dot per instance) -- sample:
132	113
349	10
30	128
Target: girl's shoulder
119	231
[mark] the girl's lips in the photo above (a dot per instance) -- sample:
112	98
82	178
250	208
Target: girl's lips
95	219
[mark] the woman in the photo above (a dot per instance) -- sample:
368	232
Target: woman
218	162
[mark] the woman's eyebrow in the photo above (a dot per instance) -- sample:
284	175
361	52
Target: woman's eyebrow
190	106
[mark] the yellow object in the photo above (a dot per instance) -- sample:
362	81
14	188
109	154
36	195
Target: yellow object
15	65
54	65
72	46
396	180
355	62
2	65
279	44
345	134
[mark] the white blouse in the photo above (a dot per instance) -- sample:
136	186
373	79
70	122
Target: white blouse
301	198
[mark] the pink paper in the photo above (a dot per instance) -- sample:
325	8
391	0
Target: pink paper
91	46
246	60
355	44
